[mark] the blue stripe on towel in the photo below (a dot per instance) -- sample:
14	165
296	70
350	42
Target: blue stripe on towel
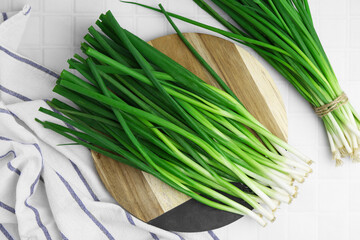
63	236
11	151
81	176
82	206
32	188
36	212
7	207
9	165
14	94
4	15
29	62
6	233
154	236
212	234
28	11
12	168
2	110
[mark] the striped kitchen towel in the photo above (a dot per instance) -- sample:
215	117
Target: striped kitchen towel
49	191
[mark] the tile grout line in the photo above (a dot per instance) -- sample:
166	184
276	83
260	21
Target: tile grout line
347	52
42	41
348	43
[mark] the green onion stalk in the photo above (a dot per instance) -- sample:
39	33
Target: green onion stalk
134	104
283	33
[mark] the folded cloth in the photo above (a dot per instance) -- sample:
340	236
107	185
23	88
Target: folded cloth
49	191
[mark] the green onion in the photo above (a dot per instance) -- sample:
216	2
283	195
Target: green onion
137	106
282	32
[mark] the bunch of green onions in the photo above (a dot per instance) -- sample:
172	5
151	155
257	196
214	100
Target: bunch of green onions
283	33
138	106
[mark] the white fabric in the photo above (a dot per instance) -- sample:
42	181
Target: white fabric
49	191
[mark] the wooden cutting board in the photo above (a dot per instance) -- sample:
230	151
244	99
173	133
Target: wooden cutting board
154	202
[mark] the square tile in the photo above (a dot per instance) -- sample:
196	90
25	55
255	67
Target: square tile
352	92
355	32
63	6
327	168
333	196
354	226
297	104
58	30
32	35
332	33
4	6
274	231
333	8
323	137
55	58
355	196
307	198
87	6
180	8
333	226
355	168
354	66
314	8
244	227
149	28
117	7
355	7
302	226
302	128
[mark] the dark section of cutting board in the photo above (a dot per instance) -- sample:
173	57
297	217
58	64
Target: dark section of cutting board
193	216
152	201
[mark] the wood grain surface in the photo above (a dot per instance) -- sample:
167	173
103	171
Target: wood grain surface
146	197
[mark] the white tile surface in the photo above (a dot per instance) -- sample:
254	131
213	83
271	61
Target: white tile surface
307	199
52	6
55	58
339	62
355	196
354	231
4	6
332	8
355	32
58	30
89	6
333	196
354	73
333	32
146	27
302	226
274	231
355	7
116	8
325	209
333	226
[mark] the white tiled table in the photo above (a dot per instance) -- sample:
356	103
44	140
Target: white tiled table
325	209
